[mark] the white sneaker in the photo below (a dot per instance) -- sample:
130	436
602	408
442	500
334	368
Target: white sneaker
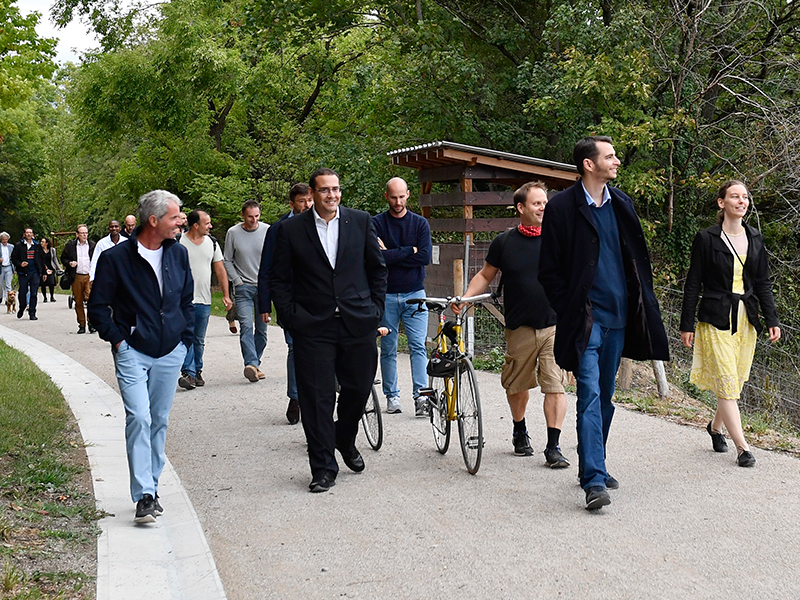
393	406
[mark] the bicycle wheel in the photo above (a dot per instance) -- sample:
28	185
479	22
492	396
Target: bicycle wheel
438	410
470	421
372	421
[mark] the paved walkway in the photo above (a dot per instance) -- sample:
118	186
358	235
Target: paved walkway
686	522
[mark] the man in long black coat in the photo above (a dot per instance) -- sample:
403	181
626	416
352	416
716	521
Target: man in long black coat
595	269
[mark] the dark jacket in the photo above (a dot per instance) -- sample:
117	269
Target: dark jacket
711	274
264	299
20	254
70	253
126	294
306	290
567	267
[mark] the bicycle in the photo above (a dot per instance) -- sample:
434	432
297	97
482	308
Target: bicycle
372	421
452	391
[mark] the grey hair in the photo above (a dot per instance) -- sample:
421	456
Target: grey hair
156	203
4	234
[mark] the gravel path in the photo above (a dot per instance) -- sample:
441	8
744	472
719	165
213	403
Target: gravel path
685	523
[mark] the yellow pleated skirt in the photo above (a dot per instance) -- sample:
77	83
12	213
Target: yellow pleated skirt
721	362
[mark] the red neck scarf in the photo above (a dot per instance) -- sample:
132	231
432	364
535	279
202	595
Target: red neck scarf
529	230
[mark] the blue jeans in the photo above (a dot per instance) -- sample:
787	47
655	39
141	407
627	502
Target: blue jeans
194	357
147	386
416	326
252	345
291	378
6	276
595	380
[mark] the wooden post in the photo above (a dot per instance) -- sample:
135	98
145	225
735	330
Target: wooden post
426	188
458	276
661	379
466	187
625	374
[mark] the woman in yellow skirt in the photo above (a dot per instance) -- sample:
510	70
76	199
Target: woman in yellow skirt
729	276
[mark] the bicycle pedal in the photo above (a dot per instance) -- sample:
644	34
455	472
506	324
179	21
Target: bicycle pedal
429	392
473	441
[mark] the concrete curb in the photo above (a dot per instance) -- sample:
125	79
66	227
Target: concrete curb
171	559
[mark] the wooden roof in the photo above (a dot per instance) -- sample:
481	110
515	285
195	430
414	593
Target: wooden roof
443	161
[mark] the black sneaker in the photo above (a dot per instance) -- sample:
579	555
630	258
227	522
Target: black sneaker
746	459
597	498
81	329
717	439
186	381
612	483
522	444
146	510
555	459
158	508
198	379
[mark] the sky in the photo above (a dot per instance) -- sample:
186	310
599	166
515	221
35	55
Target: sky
75	36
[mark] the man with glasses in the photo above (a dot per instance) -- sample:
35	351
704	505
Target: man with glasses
328	285
77	260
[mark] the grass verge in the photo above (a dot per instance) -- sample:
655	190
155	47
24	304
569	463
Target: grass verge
48	519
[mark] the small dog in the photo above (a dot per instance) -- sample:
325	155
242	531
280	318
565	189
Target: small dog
11	302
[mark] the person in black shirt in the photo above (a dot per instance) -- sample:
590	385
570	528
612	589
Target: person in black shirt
530	323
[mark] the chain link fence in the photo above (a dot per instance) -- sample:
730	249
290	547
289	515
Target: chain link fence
774	384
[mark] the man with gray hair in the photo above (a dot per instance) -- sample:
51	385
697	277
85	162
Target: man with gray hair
142	304
7	269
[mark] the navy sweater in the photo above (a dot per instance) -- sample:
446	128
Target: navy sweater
400	236
609	293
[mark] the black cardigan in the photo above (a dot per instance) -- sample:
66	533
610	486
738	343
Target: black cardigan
711	271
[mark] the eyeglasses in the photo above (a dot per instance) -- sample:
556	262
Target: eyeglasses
328	190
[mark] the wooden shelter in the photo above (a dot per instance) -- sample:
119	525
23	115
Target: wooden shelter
470	167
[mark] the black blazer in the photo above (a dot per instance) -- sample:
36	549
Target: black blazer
264	299
306	290
567	267
19	255
711	273
70	253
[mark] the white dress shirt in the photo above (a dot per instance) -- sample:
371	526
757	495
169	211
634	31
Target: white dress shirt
328	233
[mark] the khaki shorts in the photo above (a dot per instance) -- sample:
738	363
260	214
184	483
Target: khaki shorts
529	352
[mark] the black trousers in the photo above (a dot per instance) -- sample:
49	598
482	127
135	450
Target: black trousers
28	282
320	360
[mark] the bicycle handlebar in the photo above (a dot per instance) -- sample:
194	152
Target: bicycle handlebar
442	303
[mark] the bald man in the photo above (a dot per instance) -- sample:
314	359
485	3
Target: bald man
130	225
405	240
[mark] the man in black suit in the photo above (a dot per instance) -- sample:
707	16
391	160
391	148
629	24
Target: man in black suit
328	285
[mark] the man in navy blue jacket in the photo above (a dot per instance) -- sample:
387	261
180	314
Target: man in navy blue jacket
595	269
300	200
142	303
405	240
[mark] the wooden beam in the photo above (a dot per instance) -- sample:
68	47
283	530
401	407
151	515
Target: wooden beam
468	198
506	164
472	225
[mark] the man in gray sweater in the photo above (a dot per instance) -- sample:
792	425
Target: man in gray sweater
243	244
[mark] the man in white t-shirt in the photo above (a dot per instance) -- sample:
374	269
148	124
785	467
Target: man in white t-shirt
204	253
112	239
